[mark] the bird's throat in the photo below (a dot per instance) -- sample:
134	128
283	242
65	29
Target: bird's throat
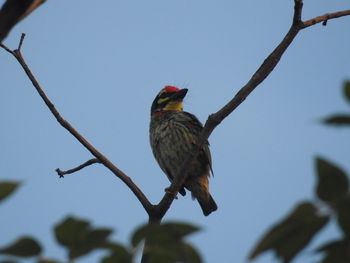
173	105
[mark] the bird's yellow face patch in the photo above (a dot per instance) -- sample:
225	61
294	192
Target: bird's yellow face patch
168	99
160	101
173	105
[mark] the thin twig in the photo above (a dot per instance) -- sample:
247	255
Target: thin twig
157	212
21	41
215	119
325	18
75	169
107	163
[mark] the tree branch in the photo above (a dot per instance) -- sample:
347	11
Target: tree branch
325	18
127	180
157	212
259	76
73	170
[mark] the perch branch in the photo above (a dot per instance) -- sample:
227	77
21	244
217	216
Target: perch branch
107	163
216	118
73	170
157	212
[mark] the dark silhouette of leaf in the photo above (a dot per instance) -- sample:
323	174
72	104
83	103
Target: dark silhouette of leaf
165	244
338	120
332	183
178	253
167	232
23	247
292	234
8	261
336	252
119	254
78	236
98	237
343	210
6	188
46	260
71	231
192	255
346	90
13	11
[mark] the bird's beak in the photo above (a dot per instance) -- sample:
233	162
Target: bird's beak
179	95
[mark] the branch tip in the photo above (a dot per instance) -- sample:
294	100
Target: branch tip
60	173
73	170
21	41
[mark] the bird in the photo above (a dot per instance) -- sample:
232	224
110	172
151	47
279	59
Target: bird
173	133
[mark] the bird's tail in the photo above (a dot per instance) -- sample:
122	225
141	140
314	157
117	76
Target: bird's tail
208	205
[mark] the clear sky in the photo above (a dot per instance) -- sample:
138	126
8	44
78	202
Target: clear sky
103	62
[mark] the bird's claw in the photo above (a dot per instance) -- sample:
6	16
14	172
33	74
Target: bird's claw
167	190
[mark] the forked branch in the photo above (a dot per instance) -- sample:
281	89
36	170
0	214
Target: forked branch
259	76
107	163
157	212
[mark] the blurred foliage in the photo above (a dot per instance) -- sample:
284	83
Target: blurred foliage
292	234
79	238
342	119
23	247
6	188
166	242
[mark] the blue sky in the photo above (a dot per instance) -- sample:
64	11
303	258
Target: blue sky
102	64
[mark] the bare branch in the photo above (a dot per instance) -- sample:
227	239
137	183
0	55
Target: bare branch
157	212
324	18
127	180
298	8
215	119
21	41
73	170
6	48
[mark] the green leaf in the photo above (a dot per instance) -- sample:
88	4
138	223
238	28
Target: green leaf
119	254
165	244
180	230
46	260
292	234
6	188
338	120
8	261
98	237
78	236
71	231
346	89
192	255
167	232
343	210
23	247
180	252
335	252
332	183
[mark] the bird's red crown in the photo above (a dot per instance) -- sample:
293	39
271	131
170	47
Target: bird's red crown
170	89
